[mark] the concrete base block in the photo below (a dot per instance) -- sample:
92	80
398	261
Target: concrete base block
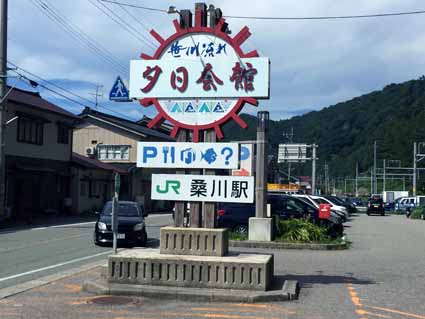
260	229
194	241
149	267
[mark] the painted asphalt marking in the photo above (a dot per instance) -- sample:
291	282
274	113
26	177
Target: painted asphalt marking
356	302
53	266
407	314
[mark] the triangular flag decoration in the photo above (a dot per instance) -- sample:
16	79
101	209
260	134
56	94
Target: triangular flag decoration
218	108
189	108
204	108
176	108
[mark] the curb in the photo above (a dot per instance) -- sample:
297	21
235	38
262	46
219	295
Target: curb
17	289
289	292
286	245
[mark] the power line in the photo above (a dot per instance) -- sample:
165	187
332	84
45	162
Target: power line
135	6
117	19
63	89
376	15
75	32
138	21
50	83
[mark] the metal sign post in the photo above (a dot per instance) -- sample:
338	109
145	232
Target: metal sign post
115	211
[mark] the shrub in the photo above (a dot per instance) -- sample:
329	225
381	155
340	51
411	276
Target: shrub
418	213
301	230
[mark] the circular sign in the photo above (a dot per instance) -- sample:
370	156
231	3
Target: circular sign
210	46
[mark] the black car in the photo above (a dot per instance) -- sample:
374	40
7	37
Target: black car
131	225
375	205
235	216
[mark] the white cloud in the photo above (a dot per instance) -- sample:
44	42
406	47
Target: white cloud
314	63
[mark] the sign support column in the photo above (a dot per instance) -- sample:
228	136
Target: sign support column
210	208
260	227
180	207
313	173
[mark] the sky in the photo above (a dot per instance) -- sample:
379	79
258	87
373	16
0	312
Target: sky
314	63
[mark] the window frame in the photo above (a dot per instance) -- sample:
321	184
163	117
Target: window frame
108	152
30	131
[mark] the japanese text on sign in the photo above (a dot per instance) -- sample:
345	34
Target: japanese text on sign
193	78
203	188
187	155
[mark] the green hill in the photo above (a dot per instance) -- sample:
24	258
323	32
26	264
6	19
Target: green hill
345	132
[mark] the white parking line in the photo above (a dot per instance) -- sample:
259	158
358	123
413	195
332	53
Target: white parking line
54	266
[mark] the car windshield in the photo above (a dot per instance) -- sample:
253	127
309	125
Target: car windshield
124	209
376	200
320	201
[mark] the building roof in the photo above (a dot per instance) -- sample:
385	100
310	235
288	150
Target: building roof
95	164
164	127
124	124
34	99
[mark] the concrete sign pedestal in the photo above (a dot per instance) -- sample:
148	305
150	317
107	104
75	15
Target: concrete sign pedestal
260	229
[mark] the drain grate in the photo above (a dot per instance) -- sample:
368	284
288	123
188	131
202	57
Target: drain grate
113	300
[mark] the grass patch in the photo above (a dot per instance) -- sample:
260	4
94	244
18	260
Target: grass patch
418	213
238	236
301	231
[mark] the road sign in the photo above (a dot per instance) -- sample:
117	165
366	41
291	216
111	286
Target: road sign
199	78
119	91
245	161
203	188
292	153
190	70
187	155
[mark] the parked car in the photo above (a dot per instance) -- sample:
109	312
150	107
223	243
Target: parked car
235	216
355	201
131	225
405	204
336	217
375	205
340	210
351	209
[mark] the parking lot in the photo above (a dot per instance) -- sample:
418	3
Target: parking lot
381	276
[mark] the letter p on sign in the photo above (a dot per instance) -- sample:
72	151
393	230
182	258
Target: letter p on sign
149	152
324	211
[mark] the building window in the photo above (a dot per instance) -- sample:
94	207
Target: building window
63	134
113	152
83	189
30	131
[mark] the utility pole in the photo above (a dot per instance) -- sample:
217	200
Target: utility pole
313	173
383	186
326	179
414	168
371	182
97	94
375	182
357	176
261	165
3	88
290	137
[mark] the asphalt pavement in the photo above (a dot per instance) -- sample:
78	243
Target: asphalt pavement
382	275
29	253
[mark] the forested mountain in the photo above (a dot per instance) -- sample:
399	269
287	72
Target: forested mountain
345	132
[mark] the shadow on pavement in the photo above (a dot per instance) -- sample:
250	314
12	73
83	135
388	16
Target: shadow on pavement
306	281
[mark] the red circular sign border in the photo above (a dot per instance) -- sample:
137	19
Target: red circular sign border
235	42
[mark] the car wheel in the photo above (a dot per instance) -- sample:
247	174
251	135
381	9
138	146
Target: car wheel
382	214
95	239
423	216
240	229
368	214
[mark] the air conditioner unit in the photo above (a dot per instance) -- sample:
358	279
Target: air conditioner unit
90	151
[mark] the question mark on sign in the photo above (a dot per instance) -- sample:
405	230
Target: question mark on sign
229	152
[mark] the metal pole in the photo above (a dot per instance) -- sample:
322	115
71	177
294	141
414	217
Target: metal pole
375	182
117	182
357	176
313	173
345	186
383	186
261	165
371	182
414	168
3	90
